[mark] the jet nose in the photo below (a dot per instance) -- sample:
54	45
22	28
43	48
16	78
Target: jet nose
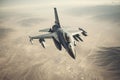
71	51
73	57
72	54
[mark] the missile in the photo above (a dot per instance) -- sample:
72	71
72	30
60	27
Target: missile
83	32
42	42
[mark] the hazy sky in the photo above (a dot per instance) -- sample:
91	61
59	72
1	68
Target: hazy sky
52	3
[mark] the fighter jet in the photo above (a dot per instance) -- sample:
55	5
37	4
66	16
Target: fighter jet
61	38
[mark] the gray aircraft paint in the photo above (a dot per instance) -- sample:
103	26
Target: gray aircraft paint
60	37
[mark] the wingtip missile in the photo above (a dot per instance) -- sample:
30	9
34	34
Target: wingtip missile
31	39
83	32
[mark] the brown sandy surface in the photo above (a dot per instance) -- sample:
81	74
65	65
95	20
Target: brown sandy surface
98	57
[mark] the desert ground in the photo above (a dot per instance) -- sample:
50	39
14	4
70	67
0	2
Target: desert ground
97	58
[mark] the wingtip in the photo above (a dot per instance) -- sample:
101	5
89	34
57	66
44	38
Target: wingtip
29	36
31	39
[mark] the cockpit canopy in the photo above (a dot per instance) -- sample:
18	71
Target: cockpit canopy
67	38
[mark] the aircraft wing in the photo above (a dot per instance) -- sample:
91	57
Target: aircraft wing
44	36
76	34
81	31
49	35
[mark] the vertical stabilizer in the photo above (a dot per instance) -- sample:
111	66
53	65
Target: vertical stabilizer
56	17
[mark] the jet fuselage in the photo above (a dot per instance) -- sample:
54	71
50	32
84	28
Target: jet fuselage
64	39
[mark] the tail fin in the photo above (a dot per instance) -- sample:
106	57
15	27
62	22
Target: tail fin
56	17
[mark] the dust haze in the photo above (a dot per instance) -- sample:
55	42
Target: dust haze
98	57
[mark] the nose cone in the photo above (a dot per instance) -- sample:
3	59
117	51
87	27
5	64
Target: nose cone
71	51
72	54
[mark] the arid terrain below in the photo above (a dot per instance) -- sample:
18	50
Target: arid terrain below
97	58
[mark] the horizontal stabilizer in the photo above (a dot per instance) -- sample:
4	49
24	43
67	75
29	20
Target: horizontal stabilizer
45	30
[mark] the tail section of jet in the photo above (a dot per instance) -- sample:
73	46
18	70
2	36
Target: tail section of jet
56	17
